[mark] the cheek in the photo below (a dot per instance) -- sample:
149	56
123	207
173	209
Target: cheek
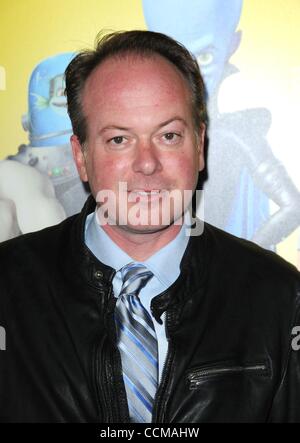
107	172
183	170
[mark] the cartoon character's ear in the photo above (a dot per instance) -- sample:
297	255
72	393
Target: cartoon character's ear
235	43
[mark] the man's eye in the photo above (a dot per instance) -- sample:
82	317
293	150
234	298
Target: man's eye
171	136
117	140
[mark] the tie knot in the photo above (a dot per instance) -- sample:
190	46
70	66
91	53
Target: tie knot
135	276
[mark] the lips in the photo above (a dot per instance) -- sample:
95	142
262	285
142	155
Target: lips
146	191
146	195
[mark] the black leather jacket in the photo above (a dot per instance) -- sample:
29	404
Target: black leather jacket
229	321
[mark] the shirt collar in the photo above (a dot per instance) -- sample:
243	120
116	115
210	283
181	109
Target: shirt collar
165	263
102	246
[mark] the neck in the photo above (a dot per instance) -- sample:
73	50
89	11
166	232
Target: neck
141	245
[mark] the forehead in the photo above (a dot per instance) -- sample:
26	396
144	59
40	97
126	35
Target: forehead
132	78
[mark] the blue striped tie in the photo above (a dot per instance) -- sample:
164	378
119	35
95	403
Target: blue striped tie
137	343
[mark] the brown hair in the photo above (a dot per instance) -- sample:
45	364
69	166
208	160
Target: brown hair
143	43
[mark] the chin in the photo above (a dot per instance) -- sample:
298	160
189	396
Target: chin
144	229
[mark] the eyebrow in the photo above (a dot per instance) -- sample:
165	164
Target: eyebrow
161	125
106	128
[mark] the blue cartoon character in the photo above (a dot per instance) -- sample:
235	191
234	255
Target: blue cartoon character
49	129
243	164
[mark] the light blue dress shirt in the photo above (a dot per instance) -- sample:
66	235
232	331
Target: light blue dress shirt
164	264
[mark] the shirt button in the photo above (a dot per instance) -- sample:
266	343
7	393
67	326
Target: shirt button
98	274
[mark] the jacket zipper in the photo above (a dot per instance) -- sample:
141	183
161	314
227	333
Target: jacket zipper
96	355
101	392
112	369
104	404
196	377
158	410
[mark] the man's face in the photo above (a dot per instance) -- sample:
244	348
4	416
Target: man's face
140	131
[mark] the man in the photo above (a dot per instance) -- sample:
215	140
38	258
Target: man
115	315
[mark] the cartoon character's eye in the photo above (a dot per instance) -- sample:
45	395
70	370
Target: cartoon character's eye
59	92
205	58
57	86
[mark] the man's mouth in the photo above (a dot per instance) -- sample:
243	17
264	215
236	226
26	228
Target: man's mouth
146	192
147	195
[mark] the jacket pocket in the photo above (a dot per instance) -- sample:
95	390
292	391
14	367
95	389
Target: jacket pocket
197	376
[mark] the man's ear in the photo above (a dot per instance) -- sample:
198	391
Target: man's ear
79	158
200	146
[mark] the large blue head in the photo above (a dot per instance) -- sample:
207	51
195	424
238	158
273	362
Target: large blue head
206	27
47	120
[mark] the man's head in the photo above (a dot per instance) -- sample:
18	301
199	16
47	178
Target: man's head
138	113
118	45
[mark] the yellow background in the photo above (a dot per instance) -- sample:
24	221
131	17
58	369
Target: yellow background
31	30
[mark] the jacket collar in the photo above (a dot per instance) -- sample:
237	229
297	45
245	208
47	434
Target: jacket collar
92	270
99	275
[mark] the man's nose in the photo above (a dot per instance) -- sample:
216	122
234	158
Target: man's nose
146	159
